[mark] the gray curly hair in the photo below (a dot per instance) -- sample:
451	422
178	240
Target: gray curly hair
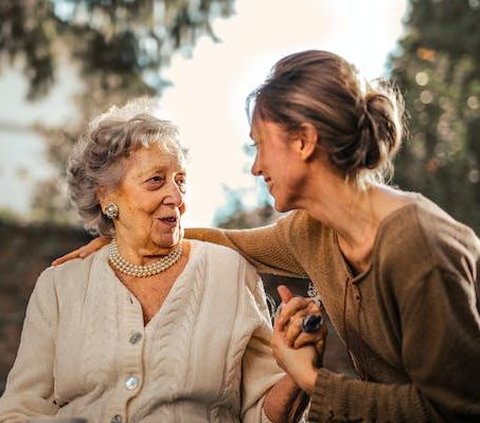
98	157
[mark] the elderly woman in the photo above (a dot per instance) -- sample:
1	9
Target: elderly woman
150	328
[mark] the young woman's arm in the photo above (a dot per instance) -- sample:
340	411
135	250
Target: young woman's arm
266	248
269	249
440	350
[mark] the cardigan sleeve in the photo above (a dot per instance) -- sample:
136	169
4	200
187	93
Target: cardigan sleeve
440	352
29	388
268	248
259	369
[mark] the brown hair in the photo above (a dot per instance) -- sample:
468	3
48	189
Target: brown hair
360	127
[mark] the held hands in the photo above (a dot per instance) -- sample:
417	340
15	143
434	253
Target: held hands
297	352
83	251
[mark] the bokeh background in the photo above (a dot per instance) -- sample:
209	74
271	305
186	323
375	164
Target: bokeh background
63	61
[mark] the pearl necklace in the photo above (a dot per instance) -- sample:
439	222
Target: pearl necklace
140	271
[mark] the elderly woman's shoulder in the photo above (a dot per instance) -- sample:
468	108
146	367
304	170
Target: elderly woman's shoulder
224	260
218	252
70	273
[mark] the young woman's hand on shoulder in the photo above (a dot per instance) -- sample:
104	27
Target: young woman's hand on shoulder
83	251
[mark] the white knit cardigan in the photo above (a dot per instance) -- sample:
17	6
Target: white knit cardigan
204	357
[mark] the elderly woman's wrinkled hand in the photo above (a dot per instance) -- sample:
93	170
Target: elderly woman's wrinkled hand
84	251
291	318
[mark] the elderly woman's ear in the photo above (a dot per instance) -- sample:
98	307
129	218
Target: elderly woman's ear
102	194
104	197
107	202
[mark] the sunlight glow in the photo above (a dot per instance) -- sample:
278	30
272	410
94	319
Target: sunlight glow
207	98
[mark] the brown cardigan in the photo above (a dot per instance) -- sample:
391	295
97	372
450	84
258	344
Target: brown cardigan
411	322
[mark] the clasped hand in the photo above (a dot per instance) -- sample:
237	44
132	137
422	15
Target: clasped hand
297	352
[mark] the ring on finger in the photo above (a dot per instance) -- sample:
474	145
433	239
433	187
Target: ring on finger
312	322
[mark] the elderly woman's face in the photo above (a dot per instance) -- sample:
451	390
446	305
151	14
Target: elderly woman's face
151	199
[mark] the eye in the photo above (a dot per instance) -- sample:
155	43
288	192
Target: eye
156	179
255	143
181	182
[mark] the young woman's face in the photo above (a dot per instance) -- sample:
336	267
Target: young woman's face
278	162
151	199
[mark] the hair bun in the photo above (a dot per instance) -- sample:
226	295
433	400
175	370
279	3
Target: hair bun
360	129
379	130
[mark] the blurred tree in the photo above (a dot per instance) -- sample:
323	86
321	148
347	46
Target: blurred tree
240	218
119	48
438	69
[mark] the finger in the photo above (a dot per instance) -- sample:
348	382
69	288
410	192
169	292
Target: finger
293	330
311	308
70	256
314	338
296	304
97	243
296	335
83	251
285	293
289	309
277	325
294	326
320	348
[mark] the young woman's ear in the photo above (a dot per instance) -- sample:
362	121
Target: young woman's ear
308	138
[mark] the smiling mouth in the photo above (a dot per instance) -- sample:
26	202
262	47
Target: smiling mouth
169	220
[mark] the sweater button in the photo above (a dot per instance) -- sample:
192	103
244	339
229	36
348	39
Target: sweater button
117	418
135	338
131	383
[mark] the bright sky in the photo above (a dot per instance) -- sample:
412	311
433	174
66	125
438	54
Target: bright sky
208	96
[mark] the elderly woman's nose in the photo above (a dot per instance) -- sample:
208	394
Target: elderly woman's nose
174	195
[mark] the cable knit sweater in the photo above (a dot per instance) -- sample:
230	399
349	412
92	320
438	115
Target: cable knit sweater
411	321
204	357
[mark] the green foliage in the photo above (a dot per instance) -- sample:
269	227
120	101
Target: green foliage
7	215
438	69
119	48
123	43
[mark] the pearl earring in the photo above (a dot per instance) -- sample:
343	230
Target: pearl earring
111	211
